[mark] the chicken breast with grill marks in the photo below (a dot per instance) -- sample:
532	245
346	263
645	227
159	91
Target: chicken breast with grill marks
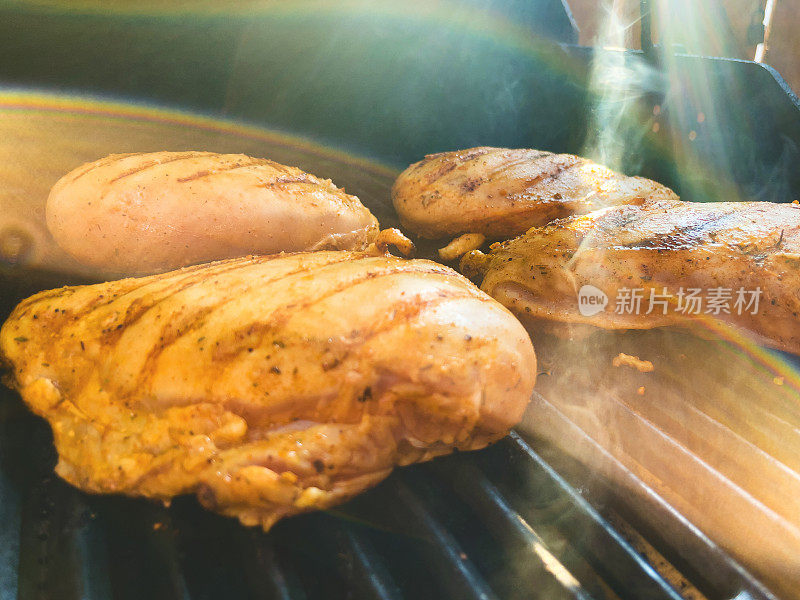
689	264
147	213
271	385
500	192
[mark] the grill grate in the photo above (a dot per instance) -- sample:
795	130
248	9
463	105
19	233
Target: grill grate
501	523
518	520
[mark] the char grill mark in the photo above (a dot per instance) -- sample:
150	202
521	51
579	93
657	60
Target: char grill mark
283	181
473	155
170	334
99	163
206	271
441	172
557	171
211	172
451	196
155	163
450	165
35	299
460	157
734	253
193	274
397	314
501	170
683	236
147	304
158	417
404	312
473	183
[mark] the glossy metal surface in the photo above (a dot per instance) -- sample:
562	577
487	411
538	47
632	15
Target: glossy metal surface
494	524
583	497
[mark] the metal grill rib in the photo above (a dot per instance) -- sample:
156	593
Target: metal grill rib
456	573
534	571
614	558
430	523
686	547
266	577
361	566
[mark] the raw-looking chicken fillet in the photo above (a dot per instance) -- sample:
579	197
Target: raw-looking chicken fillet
501	192
268	386
146	213
666	263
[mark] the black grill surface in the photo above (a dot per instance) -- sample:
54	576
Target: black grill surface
499	523
517	520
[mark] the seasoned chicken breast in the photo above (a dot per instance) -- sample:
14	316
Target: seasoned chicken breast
500	193
662	263
270	385
146	213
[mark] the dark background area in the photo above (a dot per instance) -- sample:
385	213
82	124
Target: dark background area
395	81
391	81
385	81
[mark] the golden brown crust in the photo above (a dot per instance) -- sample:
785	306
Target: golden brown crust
152	212
267	385
502	192
745	256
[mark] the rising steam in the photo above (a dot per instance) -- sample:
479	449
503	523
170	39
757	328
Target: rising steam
618	82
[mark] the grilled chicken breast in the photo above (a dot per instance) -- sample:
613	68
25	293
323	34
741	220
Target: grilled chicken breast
662	263
270	385
501	193
146	213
